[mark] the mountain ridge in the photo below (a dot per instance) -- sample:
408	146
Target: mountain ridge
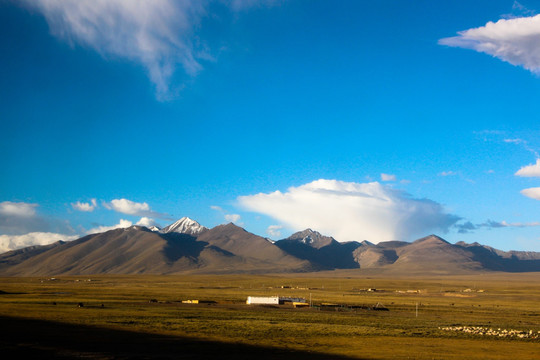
188	247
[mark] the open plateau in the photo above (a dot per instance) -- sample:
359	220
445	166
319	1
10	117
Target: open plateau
186	291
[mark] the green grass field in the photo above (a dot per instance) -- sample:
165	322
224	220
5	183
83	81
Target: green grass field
418	309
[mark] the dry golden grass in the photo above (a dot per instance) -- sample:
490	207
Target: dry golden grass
506	301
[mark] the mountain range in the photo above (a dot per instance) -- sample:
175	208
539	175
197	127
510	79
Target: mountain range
188	247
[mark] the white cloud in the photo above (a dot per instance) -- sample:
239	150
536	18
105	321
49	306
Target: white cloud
129	207
388	177
86	207
352	211
533	193
448	173
234	218
20	209
99	229
274	230
158	34
148	222
516	41
161	35
532	170
126	206
13	242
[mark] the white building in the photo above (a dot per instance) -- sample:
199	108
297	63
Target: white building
273	300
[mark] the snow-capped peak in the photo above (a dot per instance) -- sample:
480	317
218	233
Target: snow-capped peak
185	226
307	240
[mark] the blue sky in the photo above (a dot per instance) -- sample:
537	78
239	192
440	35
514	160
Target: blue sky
364	120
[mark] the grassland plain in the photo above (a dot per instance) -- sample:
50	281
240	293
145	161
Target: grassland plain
419	309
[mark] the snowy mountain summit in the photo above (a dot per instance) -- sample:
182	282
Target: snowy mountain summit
185	226
311	238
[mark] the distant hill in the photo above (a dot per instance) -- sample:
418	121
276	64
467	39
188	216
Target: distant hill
187	247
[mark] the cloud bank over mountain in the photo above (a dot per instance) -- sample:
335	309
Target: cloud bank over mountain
351	211
11	242
121	225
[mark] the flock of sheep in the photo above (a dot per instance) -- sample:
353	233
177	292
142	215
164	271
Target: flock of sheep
477	330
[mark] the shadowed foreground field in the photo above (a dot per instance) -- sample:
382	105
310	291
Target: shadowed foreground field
142	317
38	339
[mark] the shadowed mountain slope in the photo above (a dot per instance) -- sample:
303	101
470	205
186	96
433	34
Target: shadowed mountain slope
323	251
511	261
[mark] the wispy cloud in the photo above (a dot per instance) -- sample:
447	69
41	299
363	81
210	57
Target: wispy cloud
274	230
239	5
515	40
157	34
465	227
519	10
448	173
388	177
86	207
129	207
352	211
490	224
14	242
160	35
524	144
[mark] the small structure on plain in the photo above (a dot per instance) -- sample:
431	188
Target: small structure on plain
266	300
272	300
